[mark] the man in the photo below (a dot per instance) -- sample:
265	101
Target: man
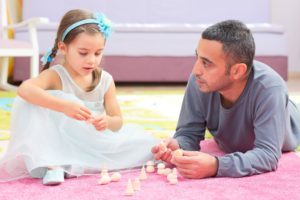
243	103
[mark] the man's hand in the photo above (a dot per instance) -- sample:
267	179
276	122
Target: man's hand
163	150
195	164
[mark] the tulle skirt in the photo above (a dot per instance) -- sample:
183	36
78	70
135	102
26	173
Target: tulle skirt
41	138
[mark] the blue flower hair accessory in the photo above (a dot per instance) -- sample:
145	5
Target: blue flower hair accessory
103	23
46	57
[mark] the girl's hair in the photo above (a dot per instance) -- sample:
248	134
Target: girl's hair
68	19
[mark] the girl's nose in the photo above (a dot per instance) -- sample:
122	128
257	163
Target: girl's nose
91	59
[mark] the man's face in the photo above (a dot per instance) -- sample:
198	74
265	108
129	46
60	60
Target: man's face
210	68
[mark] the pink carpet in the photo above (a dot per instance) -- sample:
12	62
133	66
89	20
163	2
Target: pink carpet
282	184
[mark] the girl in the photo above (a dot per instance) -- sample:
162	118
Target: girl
65	120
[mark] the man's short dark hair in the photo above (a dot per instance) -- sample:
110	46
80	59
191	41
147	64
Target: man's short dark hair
237	40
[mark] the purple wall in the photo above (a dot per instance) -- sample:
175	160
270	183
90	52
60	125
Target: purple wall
157	11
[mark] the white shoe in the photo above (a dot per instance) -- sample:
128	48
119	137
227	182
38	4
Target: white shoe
54	177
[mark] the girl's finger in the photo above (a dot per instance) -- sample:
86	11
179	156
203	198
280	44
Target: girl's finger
79	117
85	112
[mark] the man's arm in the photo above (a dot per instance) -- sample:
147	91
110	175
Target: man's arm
270	122
191	124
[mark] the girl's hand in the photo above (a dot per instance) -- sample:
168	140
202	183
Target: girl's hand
100	122
76	111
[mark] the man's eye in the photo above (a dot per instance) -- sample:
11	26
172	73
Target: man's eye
205	64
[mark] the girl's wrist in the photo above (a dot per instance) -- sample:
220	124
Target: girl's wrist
61	105
114	123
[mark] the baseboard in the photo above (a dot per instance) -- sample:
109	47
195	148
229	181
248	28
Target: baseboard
152	69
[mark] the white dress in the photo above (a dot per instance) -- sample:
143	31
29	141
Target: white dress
41	137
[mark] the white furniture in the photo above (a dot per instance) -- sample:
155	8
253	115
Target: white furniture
17	48
164	52
154	41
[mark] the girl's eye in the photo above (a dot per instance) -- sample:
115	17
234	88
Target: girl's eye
83	54
98	53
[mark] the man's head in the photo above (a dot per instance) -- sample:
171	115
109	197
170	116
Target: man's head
237	40
224	56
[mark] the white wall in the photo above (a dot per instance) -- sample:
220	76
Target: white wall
287	14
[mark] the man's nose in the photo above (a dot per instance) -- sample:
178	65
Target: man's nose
198	69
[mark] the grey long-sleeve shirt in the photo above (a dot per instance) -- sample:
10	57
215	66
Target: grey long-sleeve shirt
254	131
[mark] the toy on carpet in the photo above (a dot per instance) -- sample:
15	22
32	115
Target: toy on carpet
160	168
135	185
105	179
150	166
129	189
143	174
116	176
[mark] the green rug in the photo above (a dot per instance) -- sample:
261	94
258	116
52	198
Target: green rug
154	108
157	110
6	99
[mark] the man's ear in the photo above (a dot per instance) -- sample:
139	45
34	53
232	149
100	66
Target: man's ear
62	48
238	70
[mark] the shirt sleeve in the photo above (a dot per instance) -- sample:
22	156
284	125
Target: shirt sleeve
107	80
191	124
270	125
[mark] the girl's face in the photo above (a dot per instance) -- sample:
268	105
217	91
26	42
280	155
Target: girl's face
84	53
